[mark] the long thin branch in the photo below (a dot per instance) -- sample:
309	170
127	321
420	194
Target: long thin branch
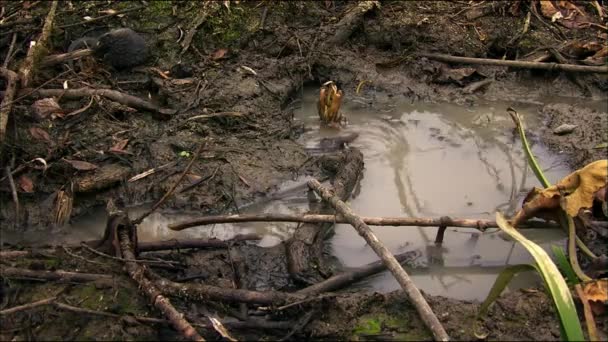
516	64
346	278
57	275
36	51
372	221
193	243
424	310
62	57
7	102
157	298
26	306
122	98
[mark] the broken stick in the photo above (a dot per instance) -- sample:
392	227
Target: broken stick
516	64
157	298
424	310
370	220
7	102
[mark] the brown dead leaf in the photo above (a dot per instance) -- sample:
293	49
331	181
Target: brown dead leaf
219	54
63	207
193	177
596	293
119	146
566	13
25	183
40	134
578	187
80	165
45	107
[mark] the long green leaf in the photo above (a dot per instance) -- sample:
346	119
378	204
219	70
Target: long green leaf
553	280
564	265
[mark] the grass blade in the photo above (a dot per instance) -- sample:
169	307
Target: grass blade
555	283
501	283
564	265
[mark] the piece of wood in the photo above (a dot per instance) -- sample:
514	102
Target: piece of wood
64	57
344	279
349	23
424	310
155	296
35	52
194	243
369	220
516	64
114	95
7	101
27	306
57	275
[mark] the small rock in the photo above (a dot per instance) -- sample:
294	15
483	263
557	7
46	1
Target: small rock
564	129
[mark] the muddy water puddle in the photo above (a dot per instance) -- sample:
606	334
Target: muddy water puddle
421	160
431	160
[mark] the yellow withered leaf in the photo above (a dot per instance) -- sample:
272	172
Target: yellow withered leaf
580	186
596	290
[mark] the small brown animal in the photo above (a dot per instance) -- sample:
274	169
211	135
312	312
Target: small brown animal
328	106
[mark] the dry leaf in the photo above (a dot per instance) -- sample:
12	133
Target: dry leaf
45	107
221	329
80	165
25	183
219	54
596	293
119	146
63	207
40	134
578	187
192	177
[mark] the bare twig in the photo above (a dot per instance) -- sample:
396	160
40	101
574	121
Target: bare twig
63	57
11	182
7	59
122	98
156	297
7	102
373	221
152	262
172	189
194	243
37	48
92	20
424	310
345	278
151	171
57	275
27	306
516	64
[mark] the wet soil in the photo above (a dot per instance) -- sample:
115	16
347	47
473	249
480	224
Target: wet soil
248	156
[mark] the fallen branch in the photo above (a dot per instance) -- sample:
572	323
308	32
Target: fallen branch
424	310
58	275
7	101
154	295
11	183
372	221
122	98
516	64
194	243
27	306
349	23
214	293
37	49
346	278
63	57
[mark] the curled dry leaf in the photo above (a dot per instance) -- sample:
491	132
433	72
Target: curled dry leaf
40	134
80	165
25	183
63	207
45	107
565	13
578	187
596	293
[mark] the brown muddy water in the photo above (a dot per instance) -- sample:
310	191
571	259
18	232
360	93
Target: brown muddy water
421	160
